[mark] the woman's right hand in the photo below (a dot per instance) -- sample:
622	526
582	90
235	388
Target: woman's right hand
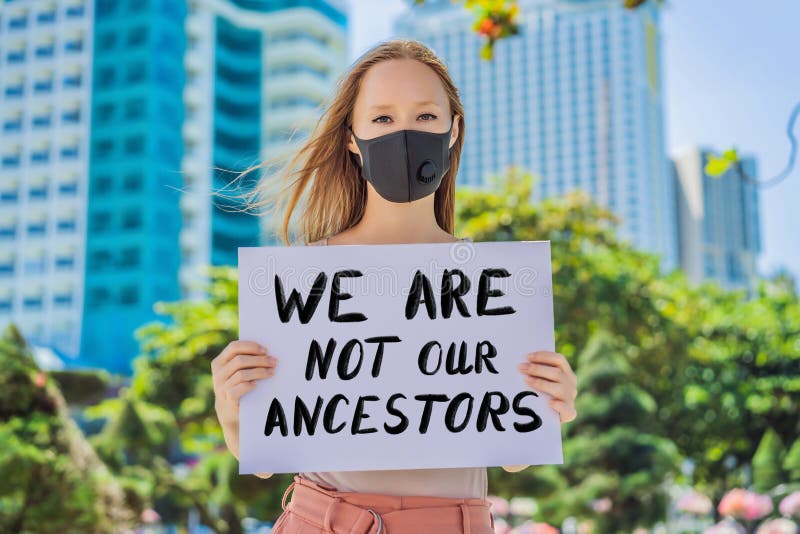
234	372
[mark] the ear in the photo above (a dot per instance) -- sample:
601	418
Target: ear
454	133
352	146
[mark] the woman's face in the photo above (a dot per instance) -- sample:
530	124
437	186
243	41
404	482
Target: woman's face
401	94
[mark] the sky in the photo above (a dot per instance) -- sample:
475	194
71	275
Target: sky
729	80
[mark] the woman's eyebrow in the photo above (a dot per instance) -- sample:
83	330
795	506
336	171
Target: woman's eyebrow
420	103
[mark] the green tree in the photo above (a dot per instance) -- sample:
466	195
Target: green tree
610	450
700	359
768	462
52	479
166	416
719	365
791	462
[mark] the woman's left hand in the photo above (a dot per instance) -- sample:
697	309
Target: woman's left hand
550	372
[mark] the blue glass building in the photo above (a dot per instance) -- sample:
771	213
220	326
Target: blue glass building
124	123
134	218
266	66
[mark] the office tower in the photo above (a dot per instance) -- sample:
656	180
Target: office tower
717	220
575	99
132	258
119	120
256	70
45	98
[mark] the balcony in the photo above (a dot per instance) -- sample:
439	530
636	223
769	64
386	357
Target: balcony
16	56
69	152
301	51
62	300
74	46
283	120
37	228
32	303
38	193
8	232
297	83
11	161
14	125
40	156
15	91
46	17
41	121
71	116
68	188
44	51
65	262
72	80
43	86
74	11
66	225
9	196
19	22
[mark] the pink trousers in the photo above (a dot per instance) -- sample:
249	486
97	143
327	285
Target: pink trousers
317	509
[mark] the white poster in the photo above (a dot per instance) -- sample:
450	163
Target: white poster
396	356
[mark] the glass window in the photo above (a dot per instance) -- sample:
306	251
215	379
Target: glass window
129	295
133	182
100	221
137	36
134	145
136	72
132	219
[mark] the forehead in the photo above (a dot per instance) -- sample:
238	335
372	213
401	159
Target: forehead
400	83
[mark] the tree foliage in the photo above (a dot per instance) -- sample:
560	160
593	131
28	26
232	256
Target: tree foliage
719	367
52	479
667	371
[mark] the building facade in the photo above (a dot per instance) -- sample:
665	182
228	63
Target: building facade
121	120
575	98
132	260
717	220
45	109
266	66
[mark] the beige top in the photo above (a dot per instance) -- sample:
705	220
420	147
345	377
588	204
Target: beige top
466	482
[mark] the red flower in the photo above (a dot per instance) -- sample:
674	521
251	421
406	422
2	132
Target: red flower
40	379
486	26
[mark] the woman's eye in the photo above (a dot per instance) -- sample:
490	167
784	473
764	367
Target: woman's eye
378	119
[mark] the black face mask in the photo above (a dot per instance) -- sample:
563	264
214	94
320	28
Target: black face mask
406	165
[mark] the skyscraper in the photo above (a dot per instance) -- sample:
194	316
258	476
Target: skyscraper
45	97
132	259
120	118
718	220
575	99
257	69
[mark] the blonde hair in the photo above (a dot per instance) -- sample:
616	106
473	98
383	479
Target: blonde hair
327	172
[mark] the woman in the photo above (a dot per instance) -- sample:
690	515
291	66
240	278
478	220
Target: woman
367	186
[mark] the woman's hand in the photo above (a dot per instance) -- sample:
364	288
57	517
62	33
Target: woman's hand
550	372
234	372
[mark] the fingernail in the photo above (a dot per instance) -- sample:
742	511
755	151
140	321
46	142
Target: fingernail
263	349
524	366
